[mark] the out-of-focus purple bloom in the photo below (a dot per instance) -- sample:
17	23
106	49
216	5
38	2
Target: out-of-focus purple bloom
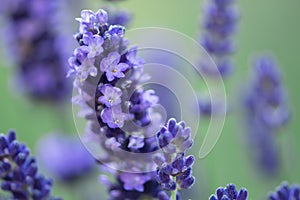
19	171
266	111
136	143
37	48
174	170
111	95
111	66
134	181
64	156
118	16
219	24
286	192
229	193
132	186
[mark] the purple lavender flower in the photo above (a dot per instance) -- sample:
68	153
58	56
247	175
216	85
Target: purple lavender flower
93	44
112	67
64	157
19	171
132	186
229	193
266	111
117	102
141	102
174	170
136	143
118	16
111	95
126	120
132	57
114	117
134	181
82	65
36	50
286	192
219	24
89	20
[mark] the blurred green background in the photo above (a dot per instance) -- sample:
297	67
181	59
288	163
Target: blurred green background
265	26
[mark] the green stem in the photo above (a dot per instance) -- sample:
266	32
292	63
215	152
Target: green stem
173	193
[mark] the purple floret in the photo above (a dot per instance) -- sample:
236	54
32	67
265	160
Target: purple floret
229	193
19	171
111	66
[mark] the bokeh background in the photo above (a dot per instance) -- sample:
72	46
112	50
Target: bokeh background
270	26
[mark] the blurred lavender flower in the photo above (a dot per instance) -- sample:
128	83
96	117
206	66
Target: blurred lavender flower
219	24
174	169
64	157
131	186
286	192
38	49
19	171
229	193
118	16
266	111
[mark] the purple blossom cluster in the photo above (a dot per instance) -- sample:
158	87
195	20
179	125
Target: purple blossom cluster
132	185
174	168
36	49
19	171
125	113
104	62
219	24
286	192
118	16
229	193
266	111
68	161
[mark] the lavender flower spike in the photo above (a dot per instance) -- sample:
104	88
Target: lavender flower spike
126	119
266	111
229	193
286	192
19	171
39	49
219	25
114	95
173	168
